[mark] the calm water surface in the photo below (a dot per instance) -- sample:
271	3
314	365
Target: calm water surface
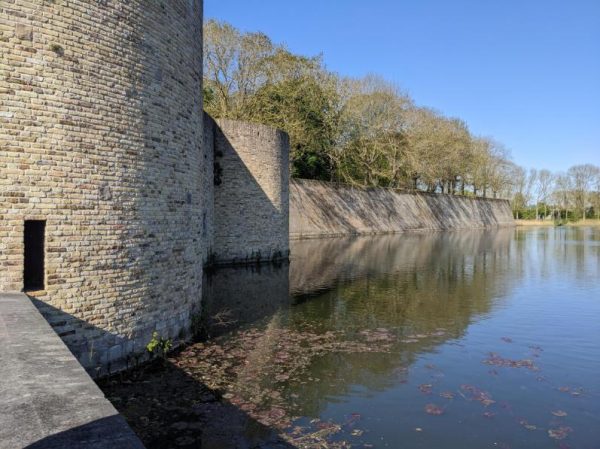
492	337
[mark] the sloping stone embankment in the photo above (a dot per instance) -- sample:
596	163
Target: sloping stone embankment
320	209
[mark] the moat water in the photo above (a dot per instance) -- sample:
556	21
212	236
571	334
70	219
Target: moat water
470	339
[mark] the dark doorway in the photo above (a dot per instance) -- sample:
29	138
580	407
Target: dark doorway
34	255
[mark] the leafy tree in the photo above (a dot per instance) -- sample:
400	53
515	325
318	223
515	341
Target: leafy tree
305	109
368	132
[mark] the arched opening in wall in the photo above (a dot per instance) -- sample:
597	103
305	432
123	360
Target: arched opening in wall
34	240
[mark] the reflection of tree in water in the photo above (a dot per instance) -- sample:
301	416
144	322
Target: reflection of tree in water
555	252
413	282
425	288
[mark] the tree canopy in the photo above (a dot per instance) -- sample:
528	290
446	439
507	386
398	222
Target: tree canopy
368	132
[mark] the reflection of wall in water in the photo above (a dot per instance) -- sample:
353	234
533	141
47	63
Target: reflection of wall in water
410	284
415	283
318	264
234	296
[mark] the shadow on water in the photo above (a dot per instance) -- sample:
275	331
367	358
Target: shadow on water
164	404
236	296
169	408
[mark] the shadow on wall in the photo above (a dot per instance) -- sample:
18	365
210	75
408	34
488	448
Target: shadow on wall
101	352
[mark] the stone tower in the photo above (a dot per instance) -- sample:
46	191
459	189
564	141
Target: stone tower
101	198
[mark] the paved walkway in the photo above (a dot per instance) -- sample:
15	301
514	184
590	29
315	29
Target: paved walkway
47	400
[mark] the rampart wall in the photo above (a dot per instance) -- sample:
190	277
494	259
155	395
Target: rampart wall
320	209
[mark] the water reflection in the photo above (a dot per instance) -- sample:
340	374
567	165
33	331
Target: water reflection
459	339
426	288
236	296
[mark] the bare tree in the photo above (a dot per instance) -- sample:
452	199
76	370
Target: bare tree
582	180
545	181
562	193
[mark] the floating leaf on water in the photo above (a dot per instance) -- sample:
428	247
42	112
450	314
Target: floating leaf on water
425	388
352	419
487	401
478	395
528	426
433	409
561	433
247	407
559	413
496	360
276	413
577	392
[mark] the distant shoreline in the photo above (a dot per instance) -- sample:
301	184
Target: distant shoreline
528	223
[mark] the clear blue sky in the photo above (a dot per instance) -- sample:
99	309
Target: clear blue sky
525	72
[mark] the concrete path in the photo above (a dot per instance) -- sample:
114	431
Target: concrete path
47	400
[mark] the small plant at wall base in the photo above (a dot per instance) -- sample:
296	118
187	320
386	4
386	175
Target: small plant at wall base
158	346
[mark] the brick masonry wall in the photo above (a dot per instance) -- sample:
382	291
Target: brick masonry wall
100	135
251	208
320	209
